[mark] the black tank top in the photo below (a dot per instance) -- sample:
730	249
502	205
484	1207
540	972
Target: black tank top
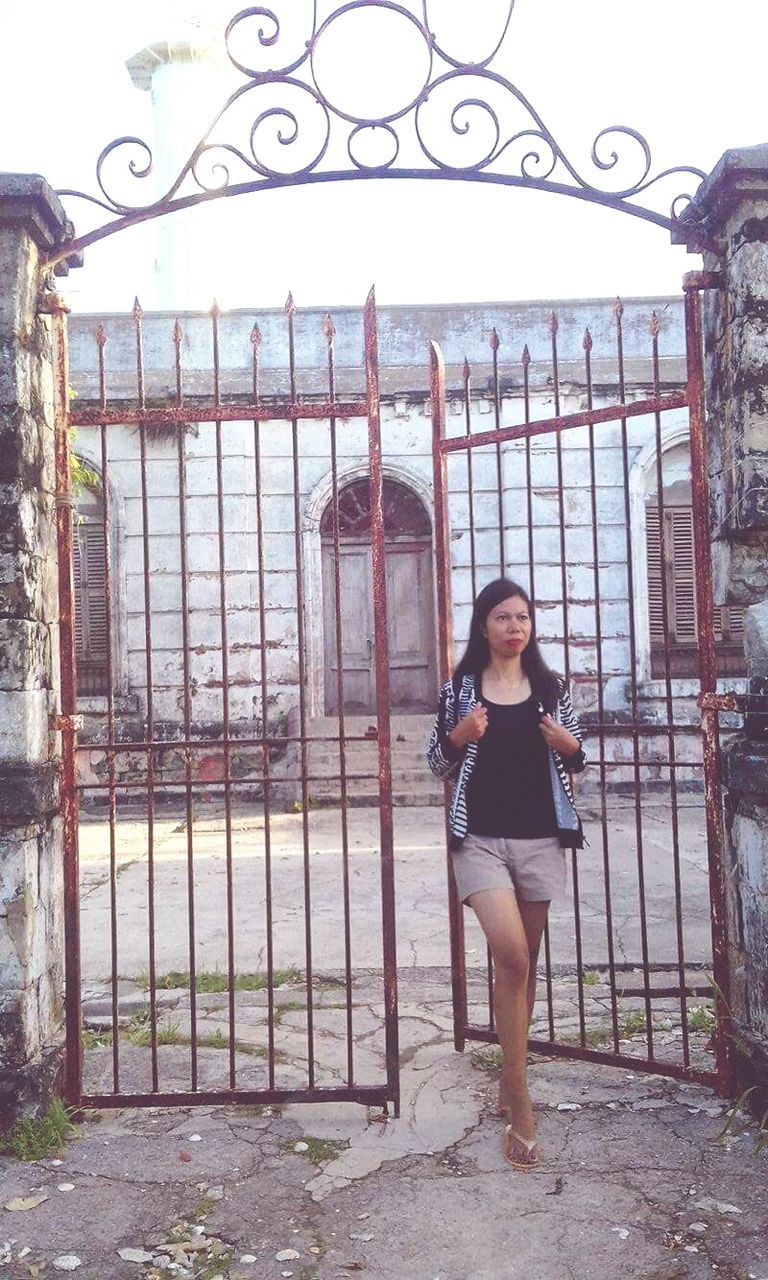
510	793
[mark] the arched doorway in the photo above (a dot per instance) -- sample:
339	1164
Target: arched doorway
410	606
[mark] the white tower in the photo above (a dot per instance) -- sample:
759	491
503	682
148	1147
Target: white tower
186	78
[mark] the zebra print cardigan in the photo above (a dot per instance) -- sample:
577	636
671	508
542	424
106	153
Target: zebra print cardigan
443	761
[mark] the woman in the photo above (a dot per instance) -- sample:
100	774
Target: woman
506	730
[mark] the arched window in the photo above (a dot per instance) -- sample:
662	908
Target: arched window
672	573
88	551
403	510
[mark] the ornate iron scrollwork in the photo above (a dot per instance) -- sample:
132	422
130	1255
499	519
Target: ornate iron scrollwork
462	120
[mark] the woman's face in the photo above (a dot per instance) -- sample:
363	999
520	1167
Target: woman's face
508	627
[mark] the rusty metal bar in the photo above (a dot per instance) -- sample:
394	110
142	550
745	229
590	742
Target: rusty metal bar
330	333
150	720
619	311
67	703
553	327
544	426
265	740
708	678
466	375
587	344
203	411
382	699
444	616
222	574
366	1095
290	311
101	339
187	697
668	701
494	344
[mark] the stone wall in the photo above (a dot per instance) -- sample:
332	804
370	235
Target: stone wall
31	898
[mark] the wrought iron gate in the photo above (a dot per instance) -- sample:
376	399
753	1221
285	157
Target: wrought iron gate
630	754
160	773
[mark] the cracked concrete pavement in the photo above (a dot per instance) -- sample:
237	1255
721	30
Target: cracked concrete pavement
633	1180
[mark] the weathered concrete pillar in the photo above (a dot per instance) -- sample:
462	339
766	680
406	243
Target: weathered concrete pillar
732	208
31	904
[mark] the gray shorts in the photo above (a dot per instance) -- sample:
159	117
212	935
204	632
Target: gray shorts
535	869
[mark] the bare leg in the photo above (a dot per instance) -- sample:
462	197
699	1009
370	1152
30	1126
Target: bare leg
534	917
501	922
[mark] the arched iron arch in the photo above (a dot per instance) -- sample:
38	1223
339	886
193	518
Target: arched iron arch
470	100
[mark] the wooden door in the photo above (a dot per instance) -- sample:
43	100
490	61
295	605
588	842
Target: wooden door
355	582
410	626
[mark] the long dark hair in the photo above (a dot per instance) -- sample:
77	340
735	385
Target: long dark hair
545	685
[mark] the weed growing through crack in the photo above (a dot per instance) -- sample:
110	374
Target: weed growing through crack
34	1138
94	1038
701	1018
319	1150
590	978
487	1057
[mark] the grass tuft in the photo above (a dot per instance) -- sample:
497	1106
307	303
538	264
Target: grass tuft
34	1138
217	981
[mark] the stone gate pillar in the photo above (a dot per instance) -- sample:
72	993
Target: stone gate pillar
732	208
31	903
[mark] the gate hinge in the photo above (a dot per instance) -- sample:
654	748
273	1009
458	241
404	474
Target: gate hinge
60	722
728	701
695	280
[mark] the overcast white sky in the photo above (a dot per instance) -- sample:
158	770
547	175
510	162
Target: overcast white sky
688	74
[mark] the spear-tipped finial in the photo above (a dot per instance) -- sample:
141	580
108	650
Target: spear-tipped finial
290	305
255	337
466	369
587	340
495	340
526	356
330	328
618	308
554	323
215	310
178	332
101	336
137	311
655	326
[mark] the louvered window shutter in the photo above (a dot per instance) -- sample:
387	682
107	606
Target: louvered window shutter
90	606
678	571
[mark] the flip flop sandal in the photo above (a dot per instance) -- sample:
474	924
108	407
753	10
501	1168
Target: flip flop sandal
529	1145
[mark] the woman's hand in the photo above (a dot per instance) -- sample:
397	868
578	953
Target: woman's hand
471	728
558	737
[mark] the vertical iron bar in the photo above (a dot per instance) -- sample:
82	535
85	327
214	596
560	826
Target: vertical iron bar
290	309
553	327
190	817
137	314
601	701
68	706
495	342
382	698
708	676
618	312
444	614
526	363
101	339
470	477
255	349
215	313
330	334
669	704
